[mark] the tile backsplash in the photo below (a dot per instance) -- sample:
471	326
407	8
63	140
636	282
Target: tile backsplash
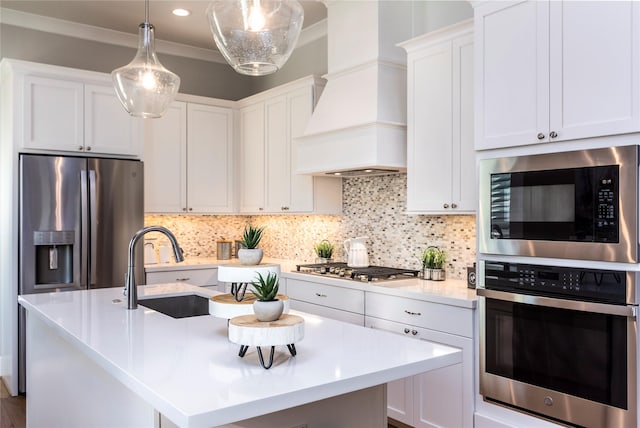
373	207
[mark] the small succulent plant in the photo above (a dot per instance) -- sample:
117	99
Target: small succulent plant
251	237
433	258
324	249
266	289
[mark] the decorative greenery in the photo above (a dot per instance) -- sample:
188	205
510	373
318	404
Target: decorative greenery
433	258
266	289
251	237
324	249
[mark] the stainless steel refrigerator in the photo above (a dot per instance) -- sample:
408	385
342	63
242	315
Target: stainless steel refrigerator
77	216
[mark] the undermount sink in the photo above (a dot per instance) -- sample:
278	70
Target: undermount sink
183	306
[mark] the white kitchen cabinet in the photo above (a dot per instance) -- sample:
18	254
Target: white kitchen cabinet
440	150
65	110
442	397
199	277
555	71
344	304
269	122
189	160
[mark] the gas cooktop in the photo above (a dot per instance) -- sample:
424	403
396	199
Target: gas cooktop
366	274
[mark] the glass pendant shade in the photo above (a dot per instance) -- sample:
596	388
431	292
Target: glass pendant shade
256	37
144	87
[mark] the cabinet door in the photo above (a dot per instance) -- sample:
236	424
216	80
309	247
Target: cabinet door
209	159
399	392
278	164
252	165
594	75
165	162
430	127
53	114
109	129
300	107
463	177
512	73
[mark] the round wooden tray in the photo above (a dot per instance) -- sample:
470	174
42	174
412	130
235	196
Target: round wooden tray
226	306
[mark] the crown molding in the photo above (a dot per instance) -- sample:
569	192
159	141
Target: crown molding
103	35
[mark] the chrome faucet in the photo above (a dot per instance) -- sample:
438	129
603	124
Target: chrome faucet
130	289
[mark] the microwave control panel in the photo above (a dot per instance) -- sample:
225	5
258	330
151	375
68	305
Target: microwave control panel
607	206
606	286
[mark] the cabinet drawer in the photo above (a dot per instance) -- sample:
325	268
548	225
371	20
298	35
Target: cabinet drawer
199	277
434	316
323	311
326	295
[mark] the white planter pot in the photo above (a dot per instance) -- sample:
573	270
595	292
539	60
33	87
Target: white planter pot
250	256
268	311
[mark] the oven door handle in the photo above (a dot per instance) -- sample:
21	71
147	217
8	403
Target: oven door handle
602	308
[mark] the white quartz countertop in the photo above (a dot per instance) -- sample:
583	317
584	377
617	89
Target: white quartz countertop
451	291
189	371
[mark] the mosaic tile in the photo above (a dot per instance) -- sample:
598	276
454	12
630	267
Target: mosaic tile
373	207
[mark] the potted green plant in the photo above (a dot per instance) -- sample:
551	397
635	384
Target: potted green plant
433	260
250	254
267	307
324	251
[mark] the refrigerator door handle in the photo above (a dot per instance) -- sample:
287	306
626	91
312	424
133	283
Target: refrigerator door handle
94	228
84	231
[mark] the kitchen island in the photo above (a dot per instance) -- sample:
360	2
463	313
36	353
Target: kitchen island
92	362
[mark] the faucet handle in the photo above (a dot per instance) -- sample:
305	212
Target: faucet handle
126	278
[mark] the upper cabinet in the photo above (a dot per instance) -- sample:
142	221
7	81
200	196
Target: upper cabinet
65	110
553	71
440	150
189	159
268	123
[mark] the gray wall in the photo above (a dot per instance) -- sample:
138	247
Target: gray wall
209	79
199	77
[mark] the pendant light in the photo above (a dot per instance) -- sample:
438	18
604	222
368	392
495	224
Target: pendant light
144	87
256	37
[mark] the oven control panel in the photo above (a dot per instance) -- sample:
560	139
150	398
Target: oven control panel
606	286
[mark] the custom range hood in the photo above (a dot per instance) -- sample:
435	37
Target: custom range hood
359	124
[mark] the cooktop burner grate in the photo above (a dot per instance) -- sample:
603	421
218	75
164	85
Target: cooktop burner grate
370	273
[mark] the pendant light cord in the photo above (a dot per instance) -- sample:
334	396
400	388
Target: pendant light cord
146	11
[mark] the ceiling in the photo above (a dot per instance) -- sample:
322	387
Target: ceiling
125	16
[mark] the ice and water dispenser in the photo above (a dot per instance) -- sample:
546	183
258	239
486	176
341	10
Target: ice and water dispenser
54	257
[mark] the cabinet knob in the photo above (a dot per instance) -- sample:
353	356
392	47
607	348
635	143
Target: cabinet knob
260	209
553	134
414	332
190	209
184	208
445	206
540	136
81	148
88	148
454	205
406	331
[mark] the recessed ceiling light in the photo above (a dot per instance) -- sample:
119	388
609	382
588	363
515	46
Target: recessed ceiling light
181	12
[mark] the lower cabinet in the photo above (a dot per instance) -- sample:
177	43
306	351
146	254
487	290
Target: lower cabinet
440	398
337	303
199	277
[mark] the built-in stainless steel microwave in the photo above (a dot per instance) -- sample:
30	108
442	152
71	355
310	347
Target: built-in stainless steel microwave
576	205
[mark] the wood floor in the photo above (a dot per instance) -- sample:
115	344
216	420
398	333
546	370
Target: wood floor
12	409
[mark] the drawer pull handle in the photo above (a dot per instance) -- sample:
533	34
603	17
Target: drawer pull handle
321	295
406	331
183	279
414	332
411	313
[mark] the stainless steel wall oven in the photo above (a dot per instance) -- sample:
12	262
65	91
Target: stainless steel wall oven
579	205
560	342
